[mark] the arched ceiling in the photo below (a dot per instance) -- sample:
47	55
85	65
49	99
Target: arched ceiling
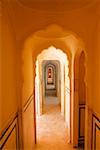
29	16
55	5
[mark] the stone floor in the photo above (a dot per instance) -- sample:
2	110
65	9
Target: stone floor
51	100
52	130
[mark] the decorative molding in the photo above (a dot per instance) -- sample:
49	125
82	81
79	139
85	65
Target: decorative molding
9	124
28	102
4	136
13	125
81	137
95	127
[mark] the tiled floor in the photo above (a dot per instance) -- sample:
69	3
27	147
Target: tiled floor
51	130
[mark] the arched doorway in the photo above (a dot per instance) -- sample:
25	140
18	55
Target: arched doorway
50	77
80	96
53	58
32	48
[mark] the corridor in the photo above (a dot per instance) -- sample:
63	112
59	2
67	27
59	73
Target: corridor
51	128
49	48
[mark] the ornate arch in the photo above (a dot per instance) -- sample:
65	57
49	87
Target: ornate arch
34	45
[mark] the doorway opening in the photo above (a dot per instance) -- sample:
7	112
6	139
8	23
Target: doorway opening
51	76
67	88
80	94
52	99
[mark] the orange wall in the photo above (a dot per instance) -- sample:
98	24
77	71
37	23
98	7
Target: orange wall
8	72
83	22
95	67
8	80
82	86
93	88
28	73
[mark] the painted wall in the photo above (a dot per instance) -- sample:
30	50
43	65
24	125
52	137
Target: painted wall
67	97
82	74
83	22
28	92
81	97
8	83
93	103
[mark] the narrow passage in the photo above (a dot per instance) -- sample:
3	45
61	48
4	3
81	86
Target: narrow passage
52	130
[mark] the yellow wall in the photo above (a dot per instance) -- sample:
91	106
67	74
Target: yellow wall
28	77
8	78
21	24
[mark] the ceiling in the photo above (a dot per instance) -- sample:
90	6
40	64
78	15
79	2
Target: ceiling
55	5
29	16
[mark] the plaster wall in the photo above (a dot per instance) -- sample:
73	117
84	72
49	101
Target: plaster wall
81	85
28	94
93	94
84	22
8	79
